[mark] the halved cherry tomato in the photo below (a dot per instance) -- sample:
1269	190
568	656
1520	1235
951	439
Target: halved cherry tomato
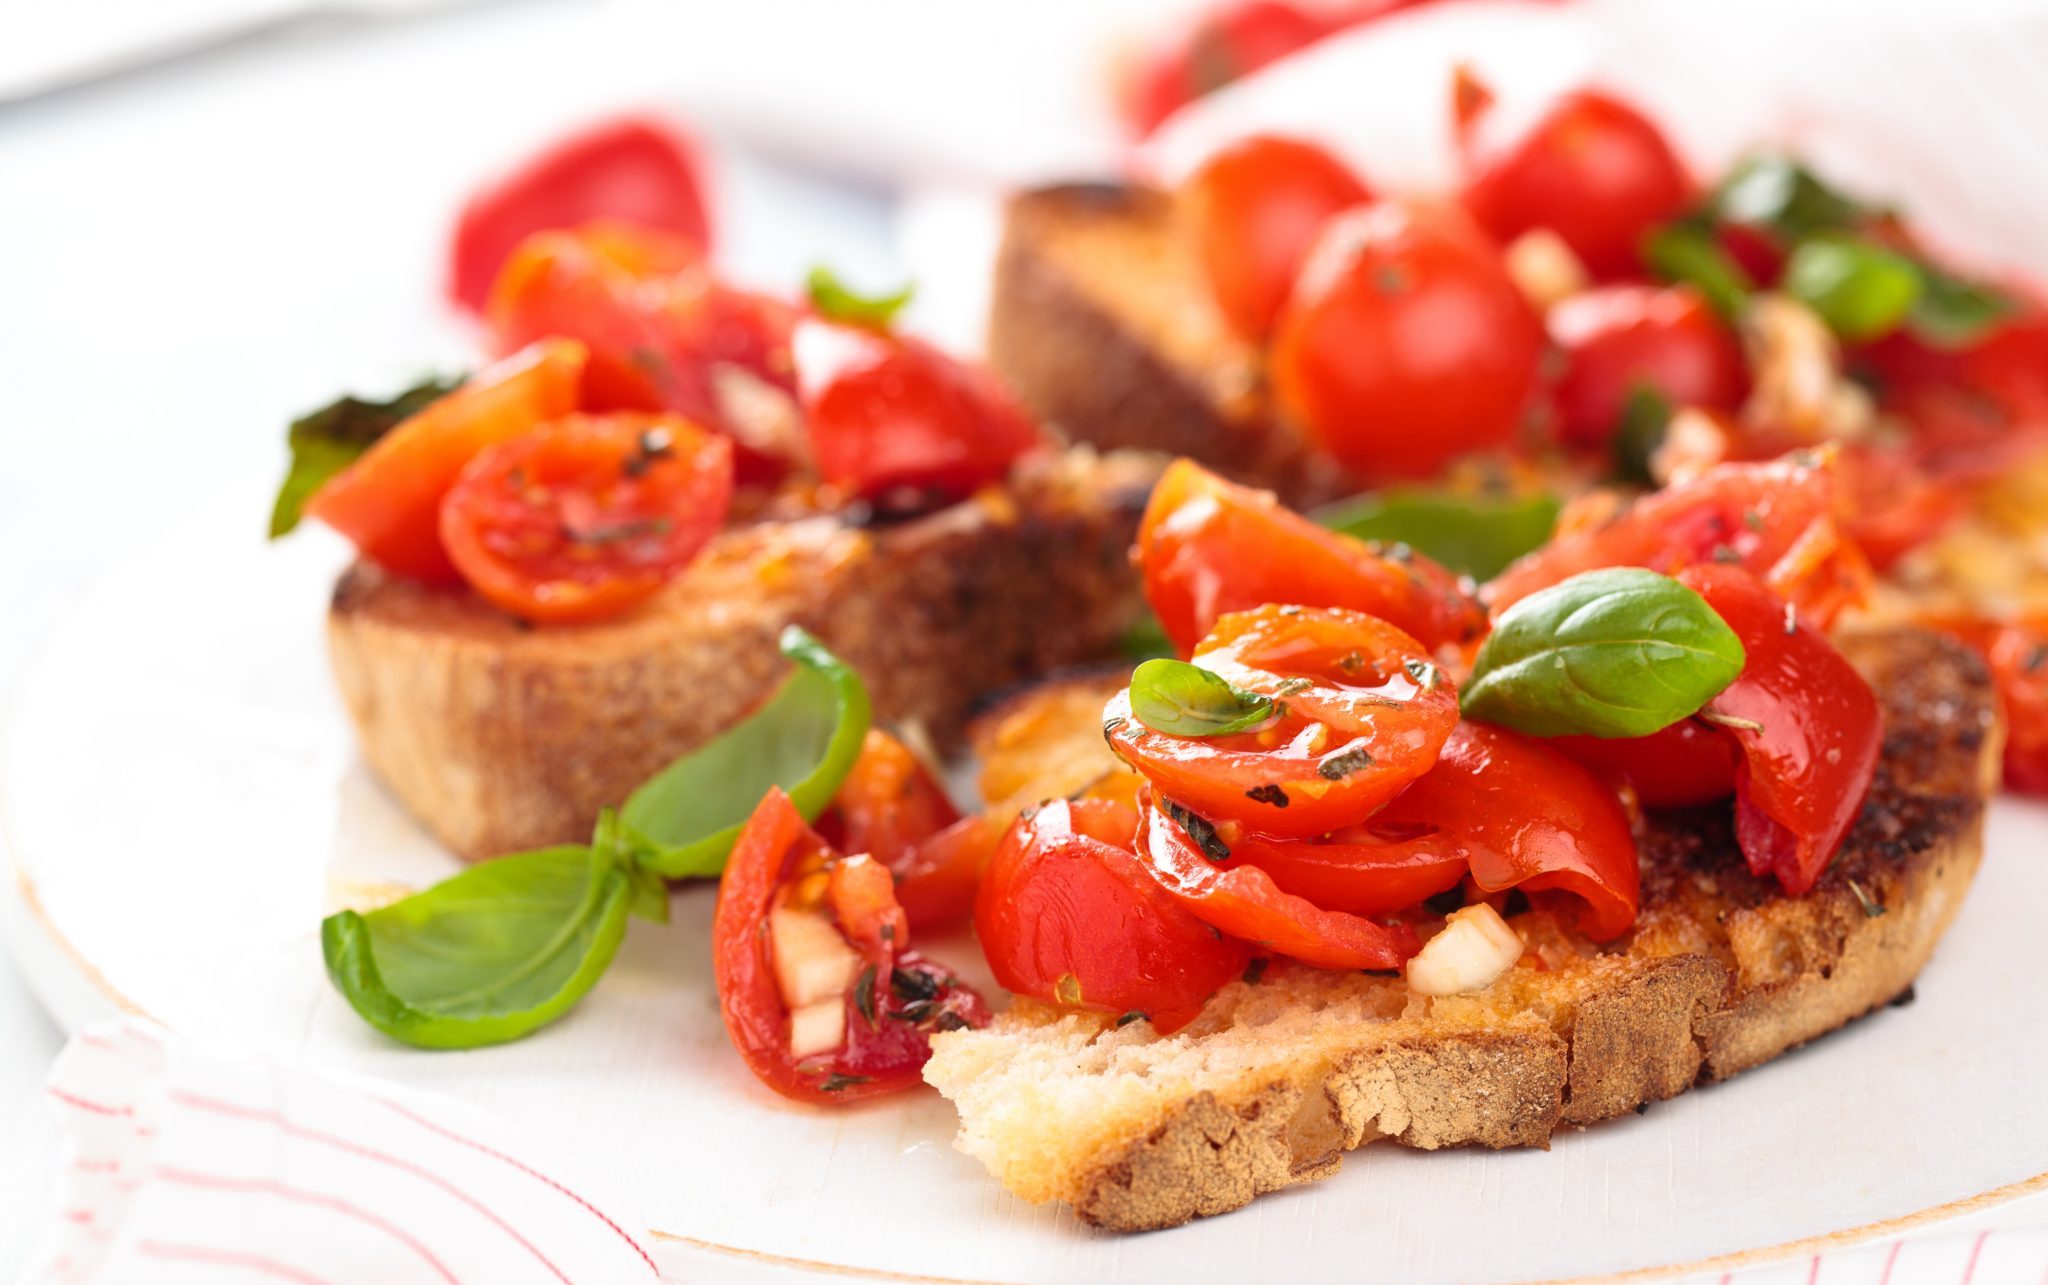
586	516
891	807
887	412
1682	766
389	501
1775	519
890	1006
1208	546
1365	712
1243	900
1230	42
1809	762
1618	339
1405	343
2019	663
1595	171
1067	914
1253	210
1524	815
630	169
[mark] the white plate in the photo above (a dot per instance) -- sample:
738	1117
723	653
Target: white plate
182	799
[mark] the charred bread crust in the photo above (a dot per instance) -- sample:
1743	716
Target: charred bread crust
1723	972
499	737
1102	324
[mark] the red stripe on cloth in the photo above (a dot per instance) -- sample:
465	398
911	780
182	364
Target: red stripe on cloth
1885	1278
524	1168
79	1216
87	1104
141	1036
84	1165
1813	1270
296	1130
227	1258
1976	1248
317	1199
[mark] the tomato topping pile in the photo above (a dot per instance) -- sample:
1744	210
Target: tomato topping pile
816	981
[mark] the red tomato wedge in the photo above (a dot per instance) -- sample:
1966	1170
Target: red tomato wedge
1524	815
1366	711
1809	760
632	170
890	806
1682	766
587	516
389	501
2019	663
883	1000
1208	546
1068	914
1243	900
1358	870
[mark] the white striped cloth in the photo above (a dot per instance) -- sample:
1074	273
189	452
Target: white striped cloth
184	1164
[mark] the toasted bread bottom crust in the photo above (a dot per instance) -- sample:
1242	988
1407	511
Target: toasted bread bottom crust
1721	973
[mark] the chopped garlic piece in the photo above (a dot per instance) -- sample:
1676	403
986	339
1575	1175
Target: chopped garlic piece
1798	386
1544	268
817	1028
1475	947
812	961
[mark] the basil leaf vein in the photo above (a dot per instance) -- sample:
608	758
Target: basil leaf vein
1180	699
1614	653
335	436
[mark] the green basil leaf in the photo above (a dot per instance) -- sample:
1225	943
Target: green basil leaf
1180	699
1645	417
835	302
334	437
684	819
650	890
1953	312
1861	290
1619	652
1780	195
492	954
1689	253
1477	535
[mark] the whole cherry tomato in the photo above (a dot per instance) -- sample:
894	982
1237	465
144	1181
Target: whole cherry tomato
1806	723
1592	169
1254	209
1361	710
2019	662
1243	900
887	413
586	516
794	914
1618	339
389	501
1067	914
1524	815
1405	344
1208	546
1775	519
632	169
1682	766
1225	44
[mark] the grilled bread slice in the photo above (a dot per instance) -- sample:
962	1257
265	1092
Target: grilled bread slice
1279	1076
498	736
1102	323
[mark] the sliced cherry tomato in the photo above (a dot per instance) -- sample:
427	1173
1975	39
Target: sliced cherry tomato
1618	339
888	998
1809	761
1068	915
389	501
1254	209
1360	870
1366	710
1208	546
1405	343
1682	766
2019	662
889	413
1595	171
1525	816
1243	900
588	515
891	806
634	170
1891	504
1228	43
1775	519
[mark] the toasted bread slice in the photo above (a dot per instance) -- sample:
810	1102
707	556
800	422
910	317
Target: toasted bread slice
1102	322
1277	1079
498	736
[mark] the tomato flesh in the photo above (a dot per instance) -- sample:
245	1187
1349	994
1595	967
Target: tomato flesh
1404	343
1682	766
1208	546
1618	339
2018	655
389	501
1356	870
1366	711
1068	915
890	806
1226	44
587	516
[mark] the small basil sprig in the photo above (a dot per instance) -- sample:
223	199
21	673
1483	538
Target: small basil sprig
1477	535
1776	193
1689	253
1180	699
334	437
509	945
835	301
1861	290
1619	652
